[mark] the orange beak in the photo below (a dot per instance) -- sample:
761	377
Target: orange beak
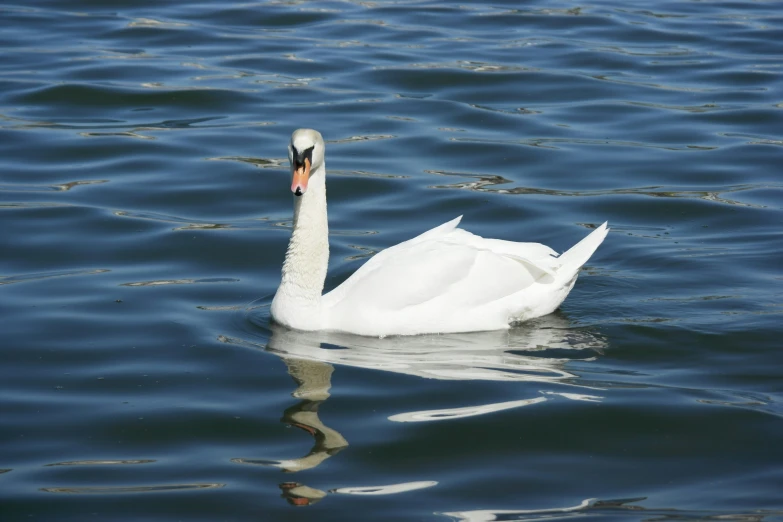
300	178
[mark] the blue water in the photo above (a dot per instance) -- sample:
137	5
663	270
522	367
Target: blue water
145	206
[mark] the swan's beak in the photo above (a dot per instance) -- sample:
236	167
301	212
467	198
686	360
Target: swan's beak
300	178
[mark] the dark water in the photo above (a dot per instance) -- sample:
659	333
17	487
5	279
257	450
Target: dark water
145	213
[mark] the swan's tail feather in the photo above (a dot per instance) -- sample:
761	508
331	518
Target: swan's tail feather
576	256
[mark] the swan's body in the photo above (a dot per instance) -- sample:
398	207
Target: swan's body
444	280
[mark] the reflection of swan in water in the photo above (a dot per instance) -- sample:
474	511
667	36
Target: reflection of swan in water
535	352
301	495
548	344
314	380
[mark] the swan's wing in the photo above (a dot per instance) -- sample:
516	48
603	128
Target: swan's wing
378	259
457	269
538	256
449	280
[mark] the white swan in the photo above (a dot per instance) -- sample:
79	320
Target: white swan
444	280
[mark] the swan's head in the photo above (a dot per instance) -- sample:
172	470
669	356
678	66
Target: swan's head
306	154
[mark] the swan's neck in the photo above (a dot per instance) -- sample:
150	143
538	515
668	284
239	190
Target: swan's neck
297	302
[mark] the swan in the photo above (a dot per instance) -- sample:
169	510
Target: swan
446	280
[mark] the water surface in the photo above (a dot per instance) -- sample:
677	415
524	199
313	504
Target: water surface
146	210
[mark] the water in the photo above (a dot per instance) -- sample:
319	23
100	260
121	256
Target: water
145	208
